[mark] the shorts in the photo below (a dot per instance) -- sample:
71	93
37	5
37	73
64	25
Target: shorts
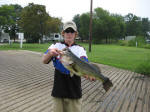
67	105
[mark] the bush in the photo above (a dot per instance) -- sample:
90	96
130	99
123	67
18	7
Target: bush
147	46
132	43
123	42
144	68
140	41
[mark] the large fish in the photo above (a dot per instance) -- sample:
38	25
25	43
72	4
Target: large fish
80	67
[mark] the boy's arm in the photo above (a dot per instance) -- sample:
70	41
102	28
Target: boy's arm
49	55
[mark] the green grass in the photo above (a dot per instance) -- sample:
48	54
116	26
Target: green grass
31	47
119	56
130	58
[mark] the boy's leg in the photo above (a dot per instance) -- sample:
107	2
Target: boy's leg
72	105
57	104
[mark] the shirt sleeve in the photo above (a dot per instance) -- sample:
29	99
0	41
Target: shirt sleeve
85	59
82	52
50	47
83	55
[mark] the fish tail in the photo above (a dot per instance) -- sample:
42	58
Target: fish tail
107	84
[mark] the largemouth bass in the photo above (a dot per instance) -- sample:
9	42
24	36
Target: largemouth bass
80	67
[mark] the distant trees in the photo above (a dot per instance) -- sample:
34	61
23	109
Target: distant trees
9	14
36	22
108	27
105	26
133	24
145	26
33	20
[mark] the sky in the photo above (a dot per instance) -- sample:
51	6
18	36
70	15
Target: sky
66	9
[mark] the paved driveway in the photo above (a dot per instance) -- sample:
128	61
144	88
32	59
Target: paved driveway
26	84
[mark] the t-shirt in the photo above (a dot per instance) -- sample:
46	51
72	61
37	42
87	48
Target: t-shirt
66	86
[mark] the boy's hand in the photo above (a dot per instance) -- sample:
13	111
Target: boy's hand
54	52
89	78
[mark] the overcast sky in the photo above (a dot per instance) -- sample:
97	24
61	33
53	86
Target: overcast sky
66	9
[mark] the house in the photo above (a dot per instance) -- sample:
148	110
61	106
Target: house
130	38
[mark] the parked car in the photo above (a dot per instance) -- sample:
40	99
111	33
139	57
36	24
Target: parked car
4	40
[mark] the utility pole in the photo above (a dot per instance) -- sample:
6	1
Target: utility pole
90	27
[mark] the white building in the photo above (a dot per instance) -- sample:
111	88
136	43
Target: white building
130	37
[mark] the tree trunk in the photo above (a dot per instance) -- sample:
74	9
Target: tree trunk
106	40
14	39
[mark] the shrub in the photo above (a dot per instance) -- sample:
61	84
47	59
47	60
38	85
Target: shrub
144	68
147	46
140	41
123	42
132	43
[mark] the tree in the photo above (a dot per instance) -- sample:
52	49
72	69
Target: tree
8	19
120	26
32	21
36	22
14	28
105	26
84	26
53	25
133	25
145	26
109	27
5	15
99	24
76	19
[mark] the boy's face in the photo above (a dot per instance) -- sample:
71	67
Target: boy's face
69	35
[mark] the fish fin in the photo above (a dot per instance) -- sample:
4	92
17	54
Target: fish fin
107	84
96	66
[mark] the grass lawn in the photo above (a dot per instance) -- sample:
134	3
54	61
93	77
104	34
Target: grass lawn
31	47
118	56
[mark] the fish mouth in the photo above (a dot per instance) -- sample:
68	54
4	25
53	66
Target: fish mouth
64	61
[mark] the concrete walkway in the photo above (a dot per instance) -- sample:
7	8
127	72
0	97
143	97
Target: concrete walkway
26	84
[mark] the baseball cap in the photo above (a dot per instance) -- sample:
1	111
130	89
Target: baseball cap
70	24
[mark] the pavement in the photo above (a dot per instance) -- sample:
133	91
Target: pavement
26	84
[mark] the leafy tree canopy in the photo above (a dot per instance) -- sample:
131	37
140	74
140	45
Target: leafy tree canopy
36	22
